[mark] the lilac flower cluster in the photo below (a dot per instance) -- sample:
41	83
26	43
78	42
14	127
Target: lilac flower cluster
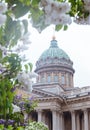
56	12
7	122
23	104
3	9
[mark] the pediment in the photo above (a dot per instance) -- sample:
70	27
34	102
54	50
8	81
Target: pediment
48	90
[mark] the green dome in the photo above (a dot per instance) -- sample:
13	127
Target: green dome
54	56
54	52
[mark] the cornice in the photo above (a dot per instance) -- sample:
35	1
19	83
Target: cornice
47	99
56	67
78	99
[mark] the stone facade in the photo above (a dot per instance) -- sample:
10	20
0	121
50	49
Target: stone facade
61	106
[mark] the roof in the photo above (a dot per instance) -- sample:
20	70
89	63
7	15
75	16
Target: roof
54	52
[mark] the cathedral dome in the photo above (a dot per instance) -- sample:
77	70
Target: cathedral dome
54	65
54	52
53	55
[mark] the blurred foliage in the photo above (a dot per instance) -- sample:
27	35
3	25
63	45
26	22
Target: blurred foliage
19	14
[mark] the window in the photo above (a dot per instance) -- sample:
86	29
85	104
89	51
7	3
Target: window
69	80
56	78
42	78
49	78
62	79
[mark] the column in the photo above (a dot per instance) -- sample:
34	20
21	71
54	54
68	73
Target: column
54	119
73	120
78	121
61	125
59	120
86	119
89	119
43	118
39	115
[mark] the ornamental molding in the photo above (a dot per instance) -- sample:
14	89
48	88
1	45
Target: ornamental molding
79	105
48	99
79	99
54	67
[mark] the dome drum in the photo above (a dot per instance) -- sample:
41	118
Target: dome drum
58	68
55	64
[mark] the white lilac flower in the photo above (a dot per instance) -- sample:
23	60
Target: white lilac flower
16	108
23	57
3	8
22	76
48	20
26	36
33	75
2	48
21	48
58	19
2	68
65	19
63	7
45	2
28	41
54	5
26	79
55	12
48	9
2	19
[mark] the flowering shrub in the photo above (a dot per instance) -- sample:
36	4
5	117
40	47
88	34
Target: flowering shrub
3	9
36	126
31	126
15	39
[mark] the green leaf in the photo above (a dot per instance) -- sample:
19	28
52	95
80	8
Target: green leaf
20	128
31	66
35	2
26	67
58	27
65	27
26	2
10	127
20	10
0	54
25	23
1	127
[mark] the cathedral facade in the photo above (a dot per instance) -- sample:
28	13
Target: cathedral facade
61	106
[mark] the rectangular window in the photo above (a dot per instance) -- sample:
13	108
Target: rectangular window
62	79
56	78
49	78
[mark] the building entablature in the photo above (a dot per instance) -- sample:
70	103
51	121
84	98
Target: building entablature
49	104
76	105
56	67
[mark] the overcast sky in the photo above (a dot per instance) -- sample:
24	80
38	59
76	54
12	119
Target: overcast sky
75	42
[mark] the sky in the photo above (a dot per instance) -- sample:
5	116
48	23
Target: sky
75	42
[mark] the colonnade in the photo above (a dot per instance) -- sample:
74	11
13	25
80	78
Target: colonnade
76	122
